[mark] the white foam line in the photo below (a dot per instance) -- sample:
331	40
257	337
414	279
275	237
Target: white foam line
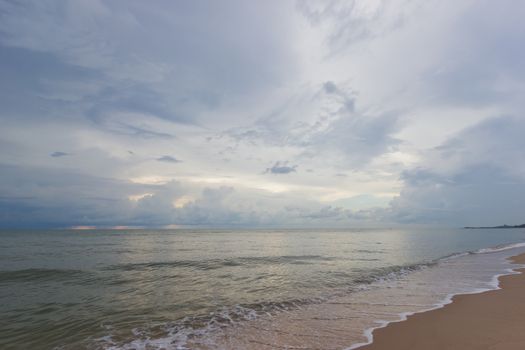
501	248
495	283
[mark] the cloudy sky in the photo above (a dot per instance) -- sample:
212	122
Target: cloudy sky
262	113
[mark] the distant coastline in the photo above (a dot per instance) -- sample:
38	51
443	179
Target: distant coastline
502	226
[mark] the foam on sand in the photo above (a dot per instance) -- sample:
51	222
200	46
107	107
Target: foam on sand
449	302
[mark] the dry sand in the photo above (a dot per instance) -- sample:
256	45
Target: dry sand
492	320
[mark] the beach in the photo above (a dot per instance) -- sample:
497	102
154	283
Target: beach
489	320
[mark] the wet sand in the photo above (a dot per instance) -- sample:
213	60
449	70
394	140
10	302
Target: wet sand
493	320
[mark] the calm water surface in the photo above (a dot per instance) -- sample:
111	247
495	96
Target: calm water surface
179	289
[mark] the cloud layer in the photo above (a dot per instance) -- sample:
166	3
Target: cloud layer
334	113
477	177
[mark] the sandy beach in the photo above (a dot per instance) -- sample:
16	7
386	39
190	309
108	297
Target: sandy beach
490	320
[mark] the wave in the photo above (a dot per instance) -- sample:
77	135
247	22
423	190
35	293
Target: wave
495	249
390	272
500	248
33	274
212	264
194	329
494	284
179	333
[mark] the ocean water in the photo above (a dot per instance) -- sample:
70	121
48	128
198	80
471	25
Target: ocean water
239	289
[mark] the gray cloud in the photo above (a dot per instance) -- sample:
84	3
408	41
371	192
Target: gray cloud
168	159
34	197
281	168
357	138
330	87
350	24
58	154
474	76
476	178
338	132
340	87
171	78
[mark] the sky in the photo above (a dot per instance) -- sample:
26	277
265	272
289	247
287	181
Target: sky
261	113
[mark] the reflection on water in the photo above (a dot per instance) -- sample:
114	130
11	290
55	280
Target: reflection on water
225	289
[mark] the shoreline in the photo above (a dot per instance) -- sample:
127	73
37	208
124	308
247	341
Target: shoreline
455	322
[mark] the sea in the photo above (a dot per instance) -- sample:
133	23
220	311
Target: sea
234	289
